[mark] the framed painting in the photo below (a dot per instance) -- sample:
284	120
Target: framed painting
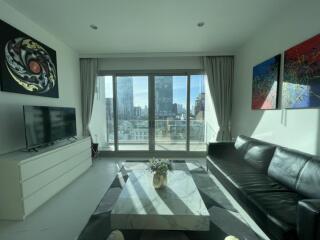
265	84
301	80
27	66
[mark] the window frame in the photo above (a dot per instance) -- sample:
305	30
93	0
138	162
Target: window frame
151	76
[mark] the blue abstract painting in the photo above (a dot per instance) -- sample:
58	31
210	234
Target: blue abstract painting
265	84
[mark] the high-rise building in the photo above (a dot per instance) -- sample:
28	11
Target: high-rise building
137	112
109	120
175	108
180	109
125	98
199	106
145	112
164	96
109	108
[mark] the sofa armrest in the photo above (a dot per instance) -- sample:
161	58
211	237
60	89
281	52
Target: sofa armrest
308	222
220	149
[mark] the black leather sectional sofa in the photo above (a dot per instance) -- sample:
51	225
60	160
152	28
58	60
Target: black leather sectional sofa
278	187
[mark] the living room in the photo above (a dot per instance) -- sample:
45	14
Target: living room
159	120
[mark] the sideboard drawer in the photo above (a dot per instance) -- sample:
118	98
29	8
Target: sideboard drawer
38	165
41	196
29	179
38	181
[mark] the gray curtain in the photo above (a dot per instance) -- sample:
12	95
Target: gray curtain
220	77
88	76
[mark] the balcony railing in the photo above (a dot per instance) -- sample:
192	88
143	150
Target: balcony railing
169	134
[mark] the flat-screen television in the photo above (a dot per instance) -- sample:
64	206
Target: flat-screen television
45	125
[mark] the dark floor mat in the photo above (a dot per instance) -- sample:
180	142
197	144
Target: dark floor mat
224	218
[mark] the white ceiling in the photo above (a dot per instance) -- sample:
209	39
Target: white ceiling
151	26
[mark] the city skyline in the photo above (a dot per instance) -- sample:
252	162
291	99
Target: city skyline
179	89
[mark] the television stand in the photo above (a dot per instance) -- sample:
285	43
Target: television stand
30	178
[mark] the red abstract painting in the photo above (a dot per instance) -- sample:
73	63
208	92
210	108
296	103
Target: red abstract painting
301	83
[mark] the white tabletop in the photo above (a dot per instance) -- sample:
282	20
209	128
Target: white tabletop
178	206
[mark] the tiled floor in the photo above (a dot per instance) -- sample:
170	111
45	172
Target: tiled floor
64	216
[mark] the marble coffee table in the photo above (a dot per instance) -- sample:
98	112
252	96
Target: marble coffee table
178	206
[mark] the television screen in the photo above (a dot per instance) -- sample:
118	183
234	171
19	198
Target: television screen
45	125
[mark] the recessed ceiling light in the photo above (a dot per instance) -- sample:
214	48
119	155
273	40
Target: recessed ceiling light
94	27
200	24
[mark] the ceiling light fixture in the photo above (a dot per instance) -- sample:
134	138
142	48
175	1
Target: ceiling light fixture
94	27
200	24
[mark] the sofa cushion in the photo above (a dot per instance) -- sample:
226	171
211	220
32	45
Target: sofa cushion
223	150
286	165
257	182
234	167
259	155
241	144
279	208
308	182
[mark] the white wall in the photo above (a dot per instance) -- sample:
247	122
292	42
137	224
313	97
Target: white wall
11	118
150	63
297	129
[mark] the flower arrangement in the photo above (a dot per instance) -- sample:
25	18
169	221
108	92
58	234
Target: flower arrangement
160	166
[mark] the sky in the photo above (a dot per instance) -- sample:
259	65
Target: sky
140	89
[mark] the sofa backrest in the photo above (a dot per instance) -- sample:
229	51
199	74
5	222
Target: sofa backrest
241	145
308	183
286	165
295	170
256	153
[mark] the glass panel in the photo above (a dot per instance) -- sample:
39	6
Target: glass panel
170	113
133	116
109	112
197	110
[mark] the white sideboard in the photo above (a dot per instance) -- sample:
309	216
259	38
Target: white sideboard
29	179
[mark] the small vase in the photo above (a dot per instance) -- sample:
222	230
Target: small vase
159	180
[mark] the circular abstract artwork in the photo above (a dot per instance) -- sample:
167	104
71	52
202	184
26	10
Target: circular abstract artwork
30	65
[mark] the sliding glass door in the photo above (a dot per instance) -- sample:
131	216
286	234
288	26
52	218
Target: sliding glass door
197	113
132	113
152	112
170	113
